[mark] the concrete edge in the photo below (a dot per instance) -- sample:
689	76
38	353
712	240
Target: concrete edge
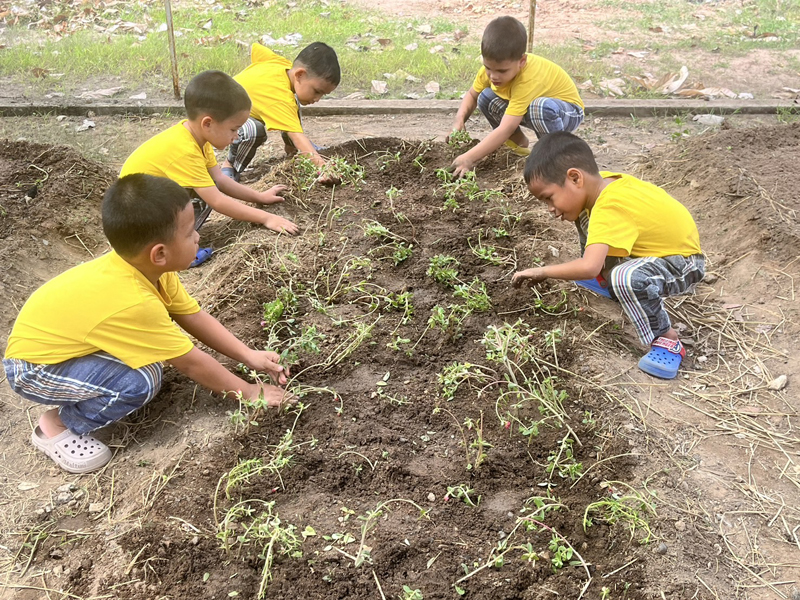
606	108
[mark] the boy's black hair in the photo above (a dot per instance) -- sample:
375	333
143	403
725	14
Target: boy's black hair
556	153
504	39
320	60
216	94
139	210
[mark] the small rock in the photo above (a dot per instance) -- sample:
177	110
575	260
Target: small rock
702	359
431	497
195	540
661	548
86	564
58	570
554	251
778	383
39	511
25	486
712	120
78	494
710	278
67	487
56	553
96	507
63	498
680	525
501	534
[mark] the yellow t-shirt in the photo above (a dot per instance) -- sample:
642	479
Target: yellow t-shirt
105	304
635	218
539	78
176	155
270	90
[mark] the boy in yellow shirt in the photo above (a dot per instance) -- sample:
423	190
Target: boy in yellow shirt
515	88
641	244
217	107
278	88
90	342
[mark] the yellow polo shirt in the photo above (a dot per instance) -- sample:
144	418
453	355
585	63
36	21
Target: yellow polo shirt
270	90
539	78
635	218
105	304
176	155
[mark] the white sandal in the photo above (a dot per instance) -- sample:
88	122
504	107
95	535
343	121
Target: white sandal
73	453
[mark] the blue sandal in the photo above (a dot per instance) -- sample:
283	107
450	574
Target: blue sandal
202	256
594	285
664	358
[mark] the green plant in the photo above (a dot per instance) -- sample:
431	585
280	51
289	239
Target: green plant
443	269
563	461
458	138
386	159
410	594
630	508
474	294
462	492
479	444
448	320
455	374
244	525
560	554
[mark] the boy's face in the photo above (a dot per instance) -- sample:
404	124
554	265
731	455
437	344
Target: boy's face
222	134
310	89
502	72
565	201
182	248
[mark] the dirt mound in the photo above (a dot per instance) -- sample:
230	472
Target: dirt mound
49	216
741	182
452	435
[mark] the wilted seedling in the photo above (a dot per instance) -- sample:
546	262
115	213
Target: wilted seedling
474	294
386	159
478	444
630	508
448	320
563	461
443	269
452	376
462	492
489	253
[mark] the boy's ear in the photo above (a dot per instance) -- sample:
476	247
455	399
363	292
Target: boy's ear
300	72
523	61
158	254
576	177
206	121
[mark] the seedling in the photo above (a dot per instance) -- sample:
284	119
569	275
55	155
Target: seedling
458	138
629	508
387	159
478	444
474	294
462	492
452	376
448	320
561	555
410	594
489	254
443	269
563	461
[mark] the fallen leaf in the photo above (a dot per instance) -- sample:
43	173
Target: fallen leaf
142	96
656	29
436	49
675	81
712	120
424	28
39	73
612	86
87	124
384	41
207	25
24	486
412	47
432	87
640	54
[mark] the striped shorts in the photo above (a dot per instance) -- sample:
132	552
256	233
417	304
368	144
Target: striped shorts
544	115
641	284
251	136
91	391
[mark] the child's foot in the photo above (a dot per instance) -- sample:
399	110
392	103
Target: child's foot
517	149
203	254
664	358
73	453
51	424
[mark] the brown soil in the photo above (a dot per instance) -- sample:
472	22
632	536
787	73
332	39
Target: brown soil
356	442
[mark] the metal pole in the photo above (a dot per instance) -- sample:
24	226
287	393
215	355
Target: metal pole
176	88
531	23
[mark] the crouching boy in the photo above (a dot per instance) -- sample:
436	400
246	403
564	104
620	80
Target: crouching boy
641	244
90	342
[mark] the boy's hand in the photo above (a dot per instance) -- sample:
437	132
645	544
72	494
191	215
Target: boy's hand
279	224
528	276
275	396
461	166
268	362
272	195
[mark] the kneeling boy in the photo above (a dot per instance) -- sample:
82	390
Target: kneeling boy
634	235
515	88
90	342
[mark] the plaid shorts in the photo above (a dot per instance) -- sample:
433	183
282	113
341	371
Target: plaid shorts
544	115
91	391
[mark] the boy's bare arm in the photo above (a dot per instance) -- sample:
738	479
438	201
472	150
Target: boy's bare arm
586	267
304	146
468	105
465	162
234	209
208	372
234	189
215	335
